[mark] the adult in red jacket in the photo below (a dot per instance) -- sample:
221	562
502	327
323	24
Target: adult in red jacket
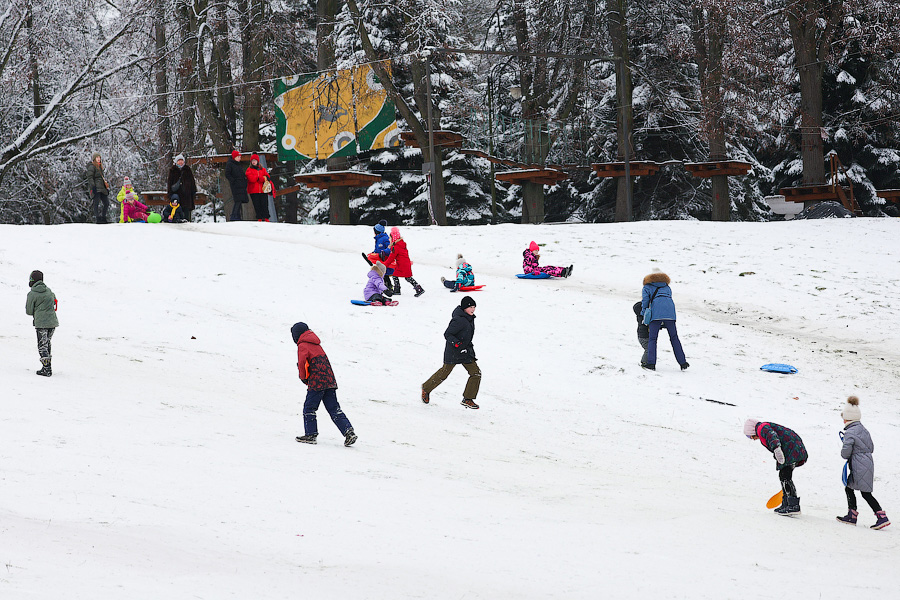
399	261
257	176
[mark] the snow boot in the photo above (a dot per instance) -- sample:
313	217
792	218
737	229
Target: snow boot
850	519
685	365
469	403
426	396
349	437
307	439
648	366
396	285
45	371
790	506
882	521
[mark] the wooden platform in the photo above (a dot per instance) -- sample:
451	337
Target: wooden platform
810	193
637	168
442	138
889	195
719	167
328	179
159	198
542	176
221	159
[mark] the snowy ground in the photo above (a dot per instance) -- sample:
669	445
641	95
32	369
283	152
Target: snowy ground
159	462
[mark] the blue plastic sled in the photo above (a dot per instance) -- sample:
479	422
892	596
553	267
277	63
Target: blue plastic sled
533	276
361	302
845	475
778	368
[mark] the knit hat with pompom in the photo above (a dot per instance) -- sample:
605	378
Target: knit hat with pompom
533	247
460	260
851	410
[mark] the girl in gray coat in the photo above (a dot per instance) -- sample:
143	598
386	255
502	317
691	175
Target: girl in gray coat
858	449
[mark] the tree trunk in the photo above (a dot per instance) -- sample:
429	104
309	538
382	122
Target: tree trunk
338	196
186	80
709	33
33	71
163	122
618	33
419	70
253	44
414	123
812	23
220	66
212	122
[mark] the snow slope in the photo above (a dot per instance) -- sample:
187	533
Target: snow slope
160	462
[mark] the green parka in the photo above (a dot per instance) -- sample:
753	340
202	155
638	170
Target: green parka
41	304
95	178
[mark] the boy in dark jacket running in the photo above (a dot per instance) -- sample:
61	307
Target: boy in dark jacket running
41	304
789	452
315	372
458	350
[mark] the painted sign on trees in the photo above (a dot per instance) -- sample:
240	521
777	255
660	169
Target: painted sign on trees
331	114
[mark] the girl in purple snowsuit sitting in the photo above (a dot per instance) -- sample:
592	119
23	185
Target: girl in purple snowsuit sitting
530	263
375	290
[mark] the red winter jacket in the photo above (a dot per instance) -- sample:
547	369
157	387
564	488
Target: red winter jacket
256	178
399	260
313	364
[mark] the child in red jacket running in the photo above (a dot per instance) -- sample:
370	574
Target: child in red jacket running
399	261
315	372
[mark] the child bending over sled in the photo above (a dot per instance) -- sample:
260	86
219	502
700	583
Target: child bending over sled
375	290
530	263
464	275
789	452
315	372
858	449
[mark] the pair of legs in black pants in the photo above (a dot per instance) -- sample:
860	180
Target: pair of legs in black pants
867	496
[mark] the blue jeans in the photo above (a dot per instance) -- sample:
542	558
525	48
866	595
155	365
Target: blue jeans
329	399
669	325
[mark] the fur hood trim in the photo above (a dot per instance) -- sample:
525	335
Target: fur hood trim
658	277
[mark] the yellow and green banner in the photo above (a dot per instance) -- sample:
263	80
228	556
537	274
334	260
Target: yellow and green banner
335	113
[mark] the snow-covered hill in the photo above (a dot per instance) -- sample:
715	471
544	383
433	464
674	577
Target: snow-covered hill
159	461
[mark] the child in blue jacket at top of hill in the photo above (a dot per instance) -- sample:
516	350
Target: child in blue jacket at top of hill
315	372
382	241
789	452
464	275
858	448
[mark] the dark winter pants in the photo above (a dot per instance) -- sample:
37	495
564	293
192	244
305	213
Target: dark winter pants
43	342
669	325
441	374
452	285
100	206
787	484
867	496
260	205
377	298
644	342
410	281
236	210
329	399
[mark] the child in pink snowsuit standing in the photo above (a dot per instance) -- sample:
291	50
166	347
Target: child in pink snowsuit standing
135	210
530	263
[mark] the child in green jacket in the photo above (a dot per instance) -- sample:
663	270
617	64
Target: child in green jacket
41	304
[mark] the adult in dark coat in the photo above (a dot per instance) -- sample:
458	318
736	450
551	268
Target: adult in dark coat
237	180
98	188
458	350
181	182
789	452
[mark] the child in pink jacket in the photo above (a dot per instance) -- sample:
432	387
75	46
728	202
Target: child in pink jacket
135	210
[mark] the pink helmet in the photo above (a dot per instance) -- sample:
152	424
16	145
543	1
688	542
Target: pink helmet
395	234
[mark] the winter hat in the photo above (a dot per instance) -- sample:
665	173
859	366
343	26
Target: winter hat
379	228
129	196
851	410
378	266
395	234
383	223
126	182
467	302
35	277
173	198
460	260
297	330
533	246
179	157
95	156
235	153
750	427
255	157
